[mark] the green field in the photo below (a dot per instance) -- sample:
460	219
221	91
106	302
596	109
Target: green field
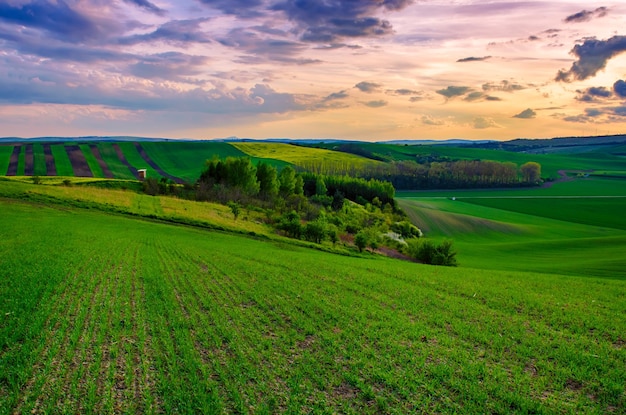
119	170
130	316
5	156
61	160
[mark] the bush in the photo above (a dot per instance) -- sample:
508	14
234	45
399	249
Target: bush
428	252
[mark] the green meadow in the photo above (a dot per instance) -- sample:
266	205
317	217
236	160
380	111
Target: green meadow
134	316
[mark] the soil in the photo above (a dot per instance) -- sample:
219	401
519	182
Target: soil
122	157
15	158
51	168
105	169
78	160
29	160
152	164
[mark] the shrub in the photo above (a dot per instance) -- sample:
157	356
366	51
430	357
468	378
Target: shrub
428	252
360	240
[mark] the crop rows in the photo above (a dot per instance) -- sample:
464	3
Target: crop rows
130	316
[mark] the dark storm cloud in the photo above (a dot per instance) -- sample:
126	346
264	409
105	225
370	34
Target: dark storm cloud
145	4
454	91
593	56
177	32
585	15
474	59
619	88
526	114
368	87
55	17
331	21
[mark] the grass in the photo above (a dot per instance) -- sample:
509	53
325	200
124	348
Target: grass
135	159
39	160
186	159
138	317
61	160
108	154
300	155
94	166
5	158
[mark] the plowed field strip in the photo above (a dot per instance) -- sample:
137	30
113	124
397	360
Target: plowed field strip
152	164
51	169
120	155
103	165
13	162
29	160
78	160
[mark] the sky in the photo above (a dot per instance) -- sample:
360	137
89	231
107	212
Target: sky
372	70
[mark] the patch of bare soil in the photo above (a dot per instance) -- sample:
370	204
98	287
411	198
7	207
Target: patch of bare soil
13	161
29	160
105	169
78	160
51	168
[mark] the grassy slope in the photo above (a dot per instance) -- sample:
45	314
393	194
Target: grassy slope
5	158
110	157
39	160
570	236
299	155
131	316
61	160
94	166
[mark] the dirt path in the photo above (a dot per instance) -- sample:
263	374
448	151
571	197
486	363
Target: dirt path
51	168
79	162
13	162
29	160
122	157
563	177
152	164
106	172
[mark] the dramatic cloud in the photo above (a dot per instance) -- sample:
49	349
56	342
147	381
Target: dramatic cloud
168	65
368	87
454	91
239	8
331	21
592	56
619	88
526	114
474	59
145	4
585	15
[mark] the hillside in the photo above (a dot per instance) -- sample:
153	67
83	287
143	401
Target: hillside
114	314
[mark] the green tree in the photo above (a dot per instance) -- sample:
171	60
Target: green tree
287	180
268	180
360	240
235	209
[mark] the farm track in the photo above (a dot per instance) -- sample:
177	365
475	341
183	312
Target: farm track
106	172
122	157
29	160
51	169
14	161
78	161
152	164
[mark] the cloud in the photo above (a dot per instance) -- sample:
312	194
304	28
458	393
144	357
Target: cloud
403	92
430	120
481	123
324	22
474	96
593	56
619	88
454	91
526	114
240	8
376	104
585	15
594	93
145	4
368	87
337	95
56	18
177	32
504	86
474	59
168	66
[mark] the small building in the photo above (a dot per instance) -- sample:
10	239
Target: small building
141	173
